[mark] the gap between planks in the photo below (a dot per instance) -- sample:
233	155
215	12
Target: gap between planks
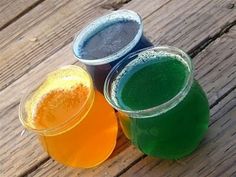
113	5
22	13
202	45
33	168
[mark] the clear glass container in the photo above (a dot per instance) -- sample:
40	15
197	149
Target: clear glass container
74	123
176	115
99	66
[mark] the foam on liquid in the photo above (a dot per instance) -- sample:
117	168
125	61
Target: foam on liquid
142	60
65	79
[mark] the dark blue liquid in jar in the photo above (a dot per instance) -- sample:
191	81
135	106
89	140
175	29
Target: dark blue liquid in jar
109	41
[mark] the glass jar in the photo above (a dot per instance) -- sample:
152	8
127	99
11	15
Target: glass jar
74	123
161	108
101	44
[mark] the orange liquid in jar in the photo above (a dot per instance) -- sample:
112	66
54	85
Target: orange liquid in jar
85	126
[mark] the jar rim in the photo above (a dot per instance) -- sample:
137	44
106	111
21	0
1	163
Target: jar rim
68	123
158	109
93	27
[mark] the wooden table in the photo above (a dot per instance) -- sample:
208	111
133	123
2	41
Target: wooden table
36	37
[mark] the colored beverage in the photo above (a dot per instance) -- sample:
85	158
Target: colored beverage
108	39
76	125
162	109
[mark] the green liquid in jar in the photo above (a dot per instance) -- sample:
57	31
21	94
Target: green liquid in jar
177	131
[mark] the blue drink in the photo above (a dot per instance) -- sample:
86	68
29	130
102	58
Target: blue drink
107	40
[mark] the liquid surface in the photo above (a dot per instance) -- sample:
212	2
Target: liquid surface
110	40
174	133
60	105
46	106
154	84
92	136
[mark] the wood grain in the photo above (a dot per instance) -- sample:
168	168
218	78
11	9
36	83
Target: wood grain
44	37
228	42
17	161
16	30
186	23
170	22
10	10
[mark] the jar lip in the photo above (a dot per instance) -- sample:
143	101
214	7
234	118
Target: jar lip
62	127
155	110
93	27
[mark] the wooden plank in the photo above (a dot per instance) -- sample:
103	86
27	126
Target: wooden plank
45	36
169	22
185	23
16	30
10	10
115	165
9	106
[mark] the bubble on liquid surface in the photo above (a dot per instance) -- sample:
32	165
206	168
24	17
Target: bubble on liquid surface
63	79
138	62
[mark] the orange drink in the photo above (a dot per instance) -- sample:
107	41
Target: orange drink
75	124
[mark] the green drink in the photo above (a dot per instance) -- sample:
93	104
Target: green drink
162	109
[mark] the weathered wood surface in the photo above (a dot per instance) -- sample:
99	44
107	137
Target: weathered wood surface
58	29
51	31
11	10
221	51
48	33
16	30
